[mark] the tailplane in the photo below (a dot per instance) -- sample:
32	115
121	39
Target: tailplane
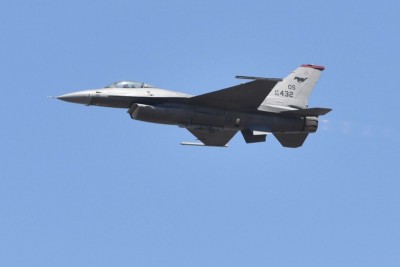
291	139
295	89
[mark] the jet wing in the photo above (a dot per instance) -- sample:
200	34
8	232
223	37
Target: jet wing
213	137
243	97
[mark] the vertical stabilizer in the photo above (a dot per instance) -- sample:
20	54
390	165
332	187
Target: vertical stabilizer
295	89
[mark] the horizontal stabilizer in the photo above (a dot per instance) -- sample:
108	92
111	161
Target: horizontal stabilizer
291	139
315	112
243	97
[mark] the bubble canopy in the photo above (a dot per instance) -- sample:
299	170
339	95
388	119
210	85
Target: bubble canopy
129	84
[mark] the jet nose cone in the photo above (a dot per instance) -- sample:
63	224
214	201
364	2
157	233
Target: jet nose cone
76	97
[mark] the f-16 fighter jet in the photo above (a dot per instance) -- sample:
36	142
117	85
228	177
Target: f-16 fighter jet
255	108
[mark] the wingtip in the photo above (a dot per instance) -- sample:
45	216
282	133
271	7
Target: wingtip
200	144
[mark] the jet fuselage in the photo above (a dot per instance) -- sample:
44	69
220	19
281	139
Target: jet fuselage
169	107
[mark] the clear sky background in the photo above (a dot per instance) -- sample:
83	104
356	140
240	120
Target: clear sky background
88	186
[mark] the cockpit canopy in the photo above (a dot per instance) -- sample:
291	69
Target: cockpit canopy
129	84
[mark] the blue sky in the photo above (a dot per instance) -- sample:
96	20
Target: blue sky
87	186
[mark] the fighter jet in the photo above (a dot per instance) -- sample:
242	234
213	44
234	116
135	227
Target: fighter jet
255	108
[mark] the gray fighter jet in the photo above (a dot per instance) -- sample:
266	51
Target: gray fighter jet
256	108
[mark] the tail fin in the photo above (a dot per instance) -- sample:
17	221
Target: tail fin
295	89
